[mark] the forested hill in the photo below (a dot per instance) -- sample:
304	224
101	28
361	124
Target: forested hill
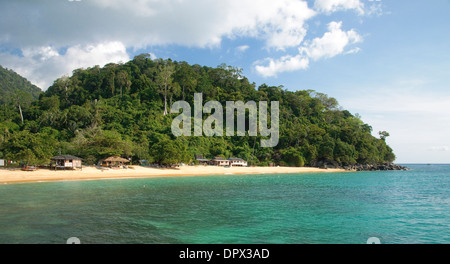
12	85
119	110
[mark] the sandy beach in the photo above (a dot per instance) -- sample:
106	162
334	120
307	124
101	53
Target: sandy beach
93	173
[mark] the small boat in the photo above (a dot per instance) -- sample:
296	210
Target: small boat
29	168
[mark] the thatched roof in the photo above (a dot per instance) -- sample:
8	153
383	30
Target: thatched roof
116	159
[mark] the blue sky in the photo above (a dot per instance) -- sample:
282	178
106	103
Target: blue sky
386	60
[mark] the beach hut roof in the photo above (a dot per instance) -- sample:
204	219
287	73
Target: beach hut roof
116	159
66	157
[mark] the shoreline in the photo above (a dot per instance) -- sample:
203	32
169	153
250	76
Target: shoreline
11	176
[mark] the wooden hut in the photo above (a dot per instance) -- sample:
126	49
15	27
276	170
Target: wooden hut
114	161
66	162
219	161
203	161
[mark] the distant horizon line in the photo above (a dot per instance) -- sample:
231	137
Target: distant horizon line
423	163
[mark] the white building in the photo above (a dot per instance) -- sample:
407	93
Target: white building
238	162
2	163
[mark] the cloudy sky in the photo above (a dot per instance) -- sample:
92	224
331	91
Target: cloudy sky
387	60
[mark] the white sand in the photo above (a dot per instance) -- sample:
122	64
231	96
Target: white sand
91	173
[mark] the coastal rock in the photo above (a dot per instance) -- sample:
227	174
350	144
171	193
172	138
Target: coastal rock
376	167
326	164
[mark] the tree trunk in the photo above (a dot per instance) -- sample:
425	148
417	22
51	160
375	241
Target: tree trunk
21	115
183	92
165	100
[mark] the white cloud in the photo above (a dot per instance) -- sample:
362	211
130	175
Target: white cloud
286	28
353	51
101	54
329	6
39	30
139	7
284	64
140	23
43	65
243	48
331	44
40	53
375	8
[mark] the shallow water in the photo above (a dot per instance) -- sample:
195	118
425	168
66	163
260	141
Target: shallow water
395	206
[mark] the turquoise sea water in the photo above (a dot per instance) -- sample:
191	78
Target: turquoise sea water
407	207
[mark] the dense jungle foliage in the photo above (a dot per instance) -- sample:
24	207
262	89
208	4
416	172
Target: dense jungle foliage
124	110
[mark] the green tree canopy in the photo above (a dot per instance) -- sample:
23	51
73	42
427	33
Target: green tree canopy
123	110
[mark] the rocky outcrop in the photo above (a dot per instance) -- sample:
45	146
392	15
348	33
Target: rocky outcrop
375	167
358	167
